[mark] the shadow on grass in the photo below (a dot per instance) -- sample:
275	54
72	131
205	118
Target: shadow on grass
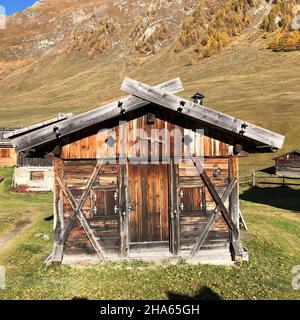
204	293
270	170
282	197
50	218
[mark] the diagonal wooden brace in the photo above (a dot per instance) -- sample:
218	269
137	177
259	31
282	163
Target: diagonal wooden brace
201	238
215	195
77	214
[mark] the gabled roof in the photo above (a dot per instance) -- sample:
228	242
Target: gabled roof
159	97
18	132
297	152
28	139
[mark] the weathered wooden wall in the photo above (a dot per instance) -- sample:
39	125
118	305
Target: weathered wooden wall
167	201
198	204
8	157
98	207
22	161
106	143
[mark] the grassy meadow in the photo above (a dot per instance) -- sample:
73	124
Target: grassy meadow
273	242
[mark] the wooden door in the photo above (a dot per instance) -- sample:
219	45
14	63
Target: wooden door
192	208
149	199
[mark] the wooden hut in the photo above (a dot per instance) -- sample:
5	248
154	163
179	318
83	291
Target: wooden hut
33	174
8	156
123	189
288	164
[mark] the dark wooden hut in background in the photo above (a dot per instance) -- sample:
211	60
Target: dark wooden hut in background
288	164
136	208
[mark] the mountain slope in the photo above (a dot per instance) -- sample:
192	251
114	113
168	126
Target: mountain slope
245	79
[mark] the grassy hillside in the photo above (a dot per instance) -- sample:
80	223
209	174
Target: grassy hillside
273	242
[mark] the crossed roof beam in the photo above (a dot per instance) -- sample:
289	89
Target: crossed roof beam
142	95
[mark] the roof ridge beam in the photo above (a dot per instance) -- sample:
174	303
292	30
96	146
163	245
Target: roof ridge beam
201	113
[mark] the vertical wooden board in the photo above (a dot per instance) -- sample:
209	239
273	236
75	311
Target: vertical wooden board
165	217
234	197
152	207
133	219
143	215
93	146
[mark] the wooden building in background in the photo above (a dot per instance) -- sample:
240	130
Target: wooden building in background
122	190
288	164
8	155
33	174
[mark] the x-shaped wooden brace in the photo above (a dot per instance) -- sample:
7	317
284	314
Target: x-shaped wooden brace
78	214
219	209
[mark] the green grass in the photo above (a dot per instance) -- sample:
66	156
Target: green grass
273	243
15	206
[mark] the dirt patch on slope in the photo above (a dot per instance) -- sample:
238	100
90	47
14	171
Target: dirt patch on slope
8	238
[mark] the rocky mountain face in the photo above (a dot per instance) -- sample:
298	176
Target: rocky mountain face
120	28
89	28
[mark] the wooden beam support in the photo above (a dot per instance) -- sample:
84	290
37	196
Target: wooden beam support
234	210
57	253
215	195
97	116
209	116
174	210
201	238
124	210
91	236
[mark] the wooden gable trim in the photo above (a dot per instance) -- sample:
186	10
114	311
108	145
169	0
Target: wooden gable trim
116	109
214	118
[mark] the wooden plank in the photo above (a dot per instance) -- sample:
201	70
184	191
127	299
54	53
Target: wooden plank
33	127
237	250
87	119
234	209
174	212
124	210
201	238
209	116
